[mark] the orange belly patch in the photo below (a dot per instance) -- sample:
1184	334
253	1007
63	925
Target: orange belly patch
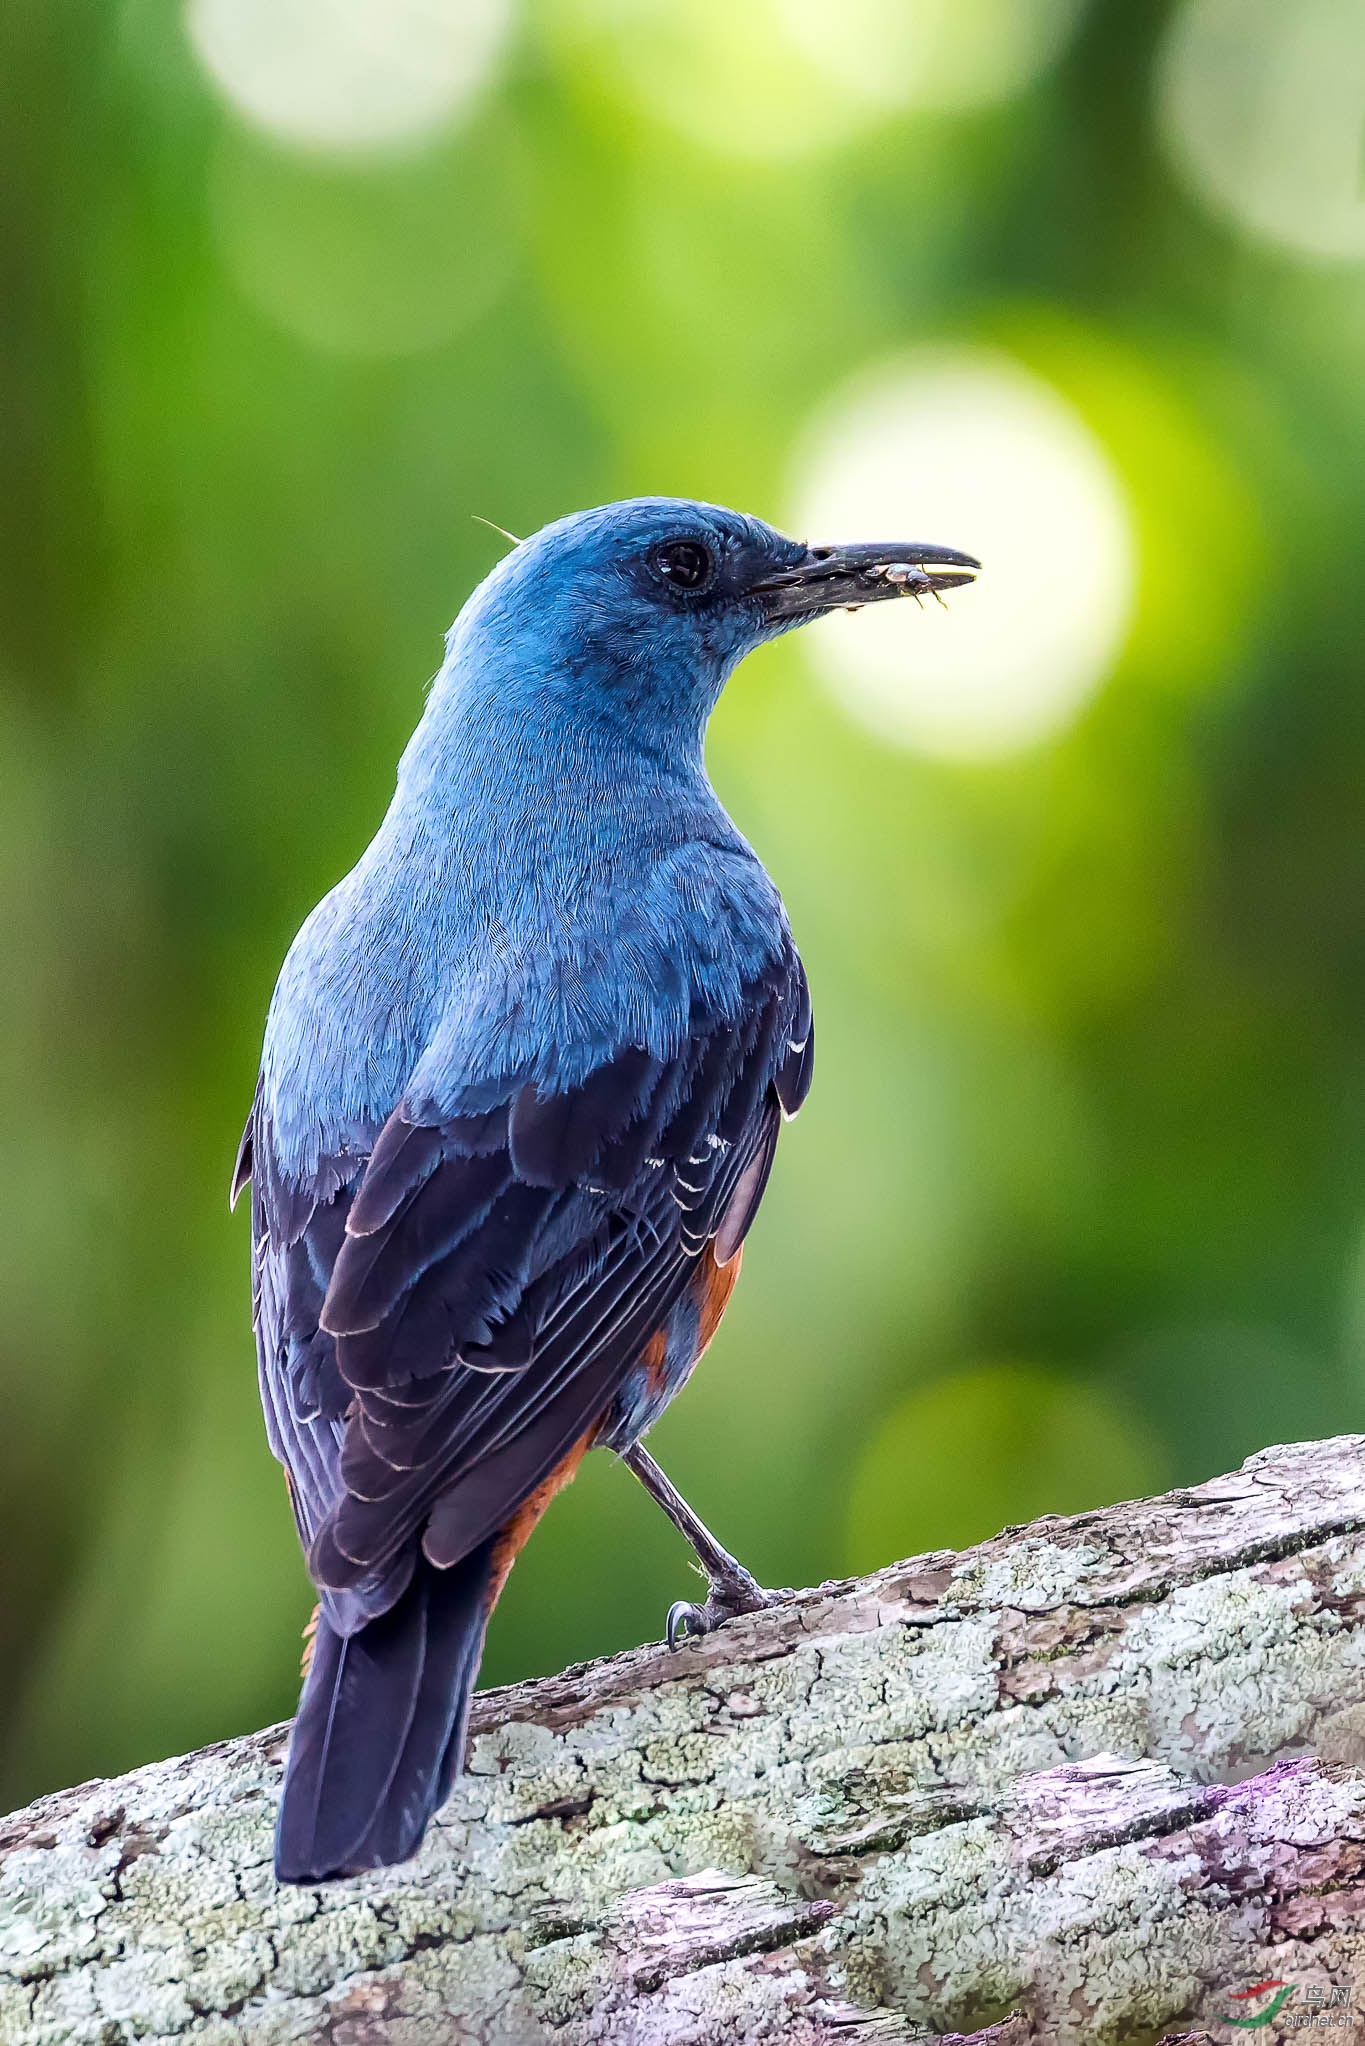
711	1289
516	1533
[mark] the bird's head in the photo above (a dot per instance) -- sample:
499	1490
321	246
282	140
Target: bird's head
640	610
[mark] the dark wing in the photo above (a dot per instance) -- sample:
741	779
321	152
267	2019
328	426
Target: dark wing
445	1329
297	1231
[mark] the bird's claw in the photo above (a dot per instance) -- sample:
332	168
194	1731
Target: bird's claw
725	1600
684	1618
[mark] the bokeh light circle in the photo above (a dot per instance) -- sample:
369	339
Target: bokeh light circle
966	448
369	259
996	1444
948	54
779	78
349	75
1261	107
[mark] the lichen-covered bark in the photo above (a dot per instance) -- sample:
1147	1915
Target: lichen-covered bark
1082	1783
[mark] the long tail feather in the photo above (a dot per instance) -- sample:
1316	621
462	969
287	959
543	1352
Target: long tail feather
380	1732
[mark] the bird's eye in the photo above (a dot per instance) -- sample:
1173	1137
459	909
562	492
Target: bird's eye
685	564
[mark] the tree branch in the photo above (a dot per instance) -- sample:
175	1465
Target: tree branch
1086	1781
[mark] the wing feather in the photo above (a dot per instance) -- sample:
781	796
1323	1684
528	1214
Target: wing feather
440	1323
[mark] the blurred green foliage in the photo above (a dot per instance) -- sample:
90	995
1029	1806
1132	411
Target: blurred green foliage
1078	1205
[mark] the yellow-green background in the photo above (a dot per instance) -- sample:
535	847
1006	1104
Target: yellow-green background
1076	1208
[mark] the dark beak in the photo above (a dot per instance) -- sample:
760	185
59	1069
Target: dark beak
843	578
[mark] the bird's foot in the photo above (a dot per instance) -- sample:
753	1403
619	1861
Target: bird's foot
727	1597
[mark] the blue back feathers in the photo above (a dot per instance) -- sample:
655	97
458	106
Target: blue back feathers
555	877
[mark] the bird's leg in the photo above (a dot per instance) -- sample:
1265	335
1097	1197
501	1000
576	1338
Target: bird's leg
730	1588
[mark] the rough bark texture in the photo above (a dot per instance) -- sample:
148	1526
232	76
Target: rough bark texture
1086	1782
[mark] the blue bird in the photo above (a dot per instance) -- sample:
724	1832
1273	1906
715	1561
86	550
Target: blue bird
523	1076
